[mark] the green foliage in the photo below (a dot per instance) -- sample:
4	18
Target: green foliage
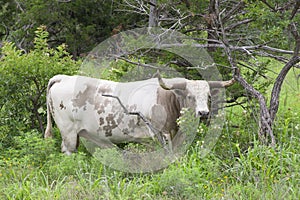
270	25
79	24
28	149
23	80
41	172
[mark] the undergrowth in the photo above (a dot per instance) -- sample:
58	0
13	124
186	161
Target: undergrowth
35	169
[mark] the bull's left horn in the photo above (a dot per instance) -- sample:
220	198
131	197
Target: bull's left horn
161	82
219	84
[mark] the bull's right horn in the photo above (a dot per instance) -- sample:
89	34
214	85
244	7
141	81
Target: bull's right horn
220	84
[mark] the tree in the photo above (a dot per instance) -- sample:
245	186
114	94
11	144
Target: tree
245	32
80	24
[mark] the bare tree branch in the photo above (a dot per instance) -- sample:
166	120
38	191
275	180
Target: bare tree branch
234	10
139	7
234	48
143	64
239	23
269	5
64	1
19	6
296	8
153	14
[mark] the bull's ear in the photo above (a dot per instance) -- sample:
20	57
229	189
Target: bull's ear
179	92
214	91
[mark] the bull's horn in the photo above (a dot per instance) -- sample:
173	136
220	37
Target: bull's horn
219	84
161	82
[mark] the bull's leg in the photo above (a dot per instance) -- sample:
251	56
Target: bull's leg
169	142
69	144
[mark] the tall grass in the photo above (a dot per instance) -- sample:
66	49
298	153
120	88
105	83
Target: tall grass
258	172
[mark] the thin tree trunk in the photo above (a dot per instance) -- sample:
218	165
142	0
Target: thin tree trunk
274	102
211	19
153	15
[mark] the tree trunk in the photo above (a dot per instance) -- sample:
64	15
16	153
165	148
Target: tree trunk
274	102
211	19
153	15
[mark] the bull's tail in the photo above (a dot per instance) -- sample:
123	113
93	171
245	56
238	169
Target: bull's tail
48	131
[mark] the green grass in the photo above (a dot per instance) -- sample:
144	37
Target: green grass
260	173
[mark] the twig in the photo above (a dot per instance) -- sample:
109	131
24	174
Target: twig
144	65
234	48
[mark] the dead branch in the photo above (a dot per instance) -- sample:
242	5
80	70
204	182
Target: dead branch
140	7
296	8
269	5
233	48
64	1
239	23
234	10
145	65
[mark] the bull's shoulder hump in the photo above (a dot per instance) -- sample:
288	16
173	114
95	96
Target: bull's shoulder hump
60	76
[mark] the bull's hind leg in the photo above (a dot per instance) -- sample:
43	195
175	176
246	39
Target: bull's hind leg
69	143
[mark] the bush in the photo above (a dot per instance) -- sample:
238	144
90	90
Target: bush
23	80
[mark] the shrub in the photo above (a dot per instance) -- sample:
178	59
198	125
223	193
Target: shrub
23	80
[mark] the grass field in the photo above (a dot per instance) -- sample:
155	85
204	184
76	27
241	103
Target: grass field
238	167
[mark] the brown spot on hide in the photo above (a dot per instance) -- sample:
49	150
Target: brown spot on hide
101	121
115	109
100	105
132	108
104	89
100	109
75	110
111	124
87	96
61	105
120	117
125	131
106	102
138	121
132	125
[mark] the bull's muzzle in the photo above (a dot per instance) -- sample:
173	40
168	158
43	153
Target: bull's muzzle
203	114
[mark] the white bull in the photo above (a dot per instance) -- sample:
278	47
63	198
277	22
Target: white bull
98	109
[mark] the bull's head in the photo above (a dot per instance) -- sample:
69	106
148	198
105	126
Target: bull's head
194	94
